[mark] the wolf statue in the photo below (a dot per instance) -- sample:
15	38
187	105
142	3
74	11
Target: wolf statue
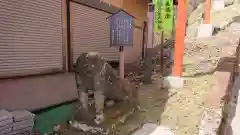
93	73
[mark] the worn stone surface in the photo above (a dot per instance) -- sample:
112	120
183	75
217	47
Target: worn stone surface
6	131
24	131
6	122
22	115
153	129
28	126
6	127
24	122
4	115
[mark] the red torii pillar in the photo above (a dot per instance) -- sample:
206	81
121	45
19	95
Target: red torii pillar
179	41
176	80
207	11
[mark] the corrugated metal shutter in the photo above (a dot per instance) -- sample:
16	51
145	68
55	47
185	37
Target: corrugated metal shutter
30	37
90	32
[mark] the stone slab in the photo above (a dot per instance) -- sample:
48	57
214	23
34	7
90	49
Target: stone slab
19	127
6	127
6	131
153	129
6	122
4	115
23	122
22	115
24	131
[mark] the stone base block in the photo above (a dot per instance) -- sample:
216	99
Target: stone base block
205	31
218	5
174	82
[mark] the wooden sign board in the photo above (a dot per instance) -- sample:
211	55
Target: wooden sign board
121	29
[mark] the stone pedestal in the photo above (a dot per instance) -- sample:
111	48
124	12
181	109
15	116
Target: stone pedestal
174	82
218	5
205	31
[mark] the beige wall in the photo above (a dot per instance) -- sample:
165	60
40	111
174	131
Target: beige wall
137	8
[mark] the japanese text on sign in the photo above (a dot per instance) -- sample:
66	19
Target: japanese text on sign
121	30
163	15
157	15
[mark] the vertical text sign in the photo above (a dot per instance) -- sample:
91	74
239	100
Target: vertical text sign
167	15
121	29
157	15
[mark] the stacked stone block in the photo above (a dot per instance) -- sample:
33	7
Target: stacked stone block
6	122
16	123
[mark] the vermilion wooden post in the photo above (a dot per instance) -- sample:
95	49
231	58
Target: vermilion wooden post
179	41
207	12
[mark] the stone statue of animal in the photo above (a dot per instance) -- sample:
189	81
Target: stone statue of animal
93	73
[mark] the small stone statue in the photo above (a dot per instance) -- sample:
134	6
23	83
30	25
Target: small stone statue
93	73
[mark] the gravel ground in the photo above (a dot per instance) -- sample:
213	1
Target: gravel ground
178	109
